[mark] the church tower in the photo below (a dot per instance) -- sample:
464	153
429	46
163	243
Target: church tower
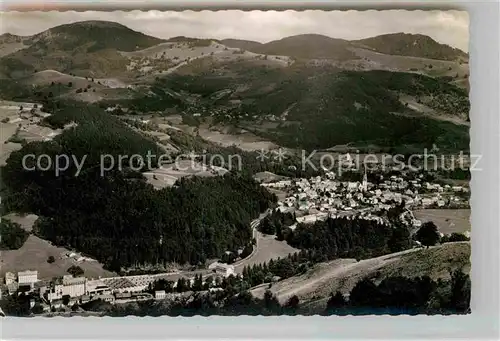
364	184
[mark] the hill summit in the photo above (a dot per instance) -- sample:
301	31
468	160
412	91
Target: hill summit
413	45
308	46
95	35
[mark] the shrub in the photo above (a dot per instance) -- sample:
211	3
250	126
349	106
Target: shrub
75	270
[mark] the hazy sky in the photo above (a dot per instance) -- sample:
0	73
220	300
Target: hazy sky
449	27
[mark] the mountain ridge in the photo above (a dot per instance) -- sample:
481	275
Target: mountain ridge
377	43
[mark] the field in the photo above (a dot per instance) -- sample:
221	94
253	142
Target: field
245	141
34	253
267	248
33	256
374	60
167	175
8	109
447	220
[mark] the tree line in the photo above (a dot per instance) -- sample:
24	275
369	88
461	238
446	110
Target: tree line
402	295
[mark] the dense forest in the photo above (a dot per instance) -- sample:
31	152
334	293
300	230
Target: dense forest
348	238
340	237
401	295
119	218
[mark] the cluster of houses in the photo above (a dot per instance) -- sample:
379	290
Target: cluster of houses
27	119
321	197
68	290
27	113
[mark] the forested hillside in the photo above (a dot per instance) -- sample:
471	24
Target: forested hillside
317	108
119	218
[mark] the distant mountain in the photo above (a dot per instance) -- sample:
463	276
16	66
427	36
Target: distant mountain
10	38
388	91
86	48
95	35
248	45
308	46
414	45
10	43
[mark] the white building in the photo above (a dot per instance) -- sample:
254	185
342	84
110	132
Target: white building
160	294
222	269
55	292
10	278
68	285
312	218
27	277
73	286
107	298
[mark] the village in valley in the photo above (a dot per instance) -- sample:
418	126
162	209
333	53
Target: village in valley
166	174
309	200
324	196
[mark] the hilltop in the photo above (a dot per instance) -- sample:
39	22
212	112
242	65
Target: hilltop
248	45
10	43
414	45
84	48
308	46
95	36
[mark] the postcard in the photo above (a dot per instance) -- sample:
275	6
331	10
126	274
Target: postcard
229	163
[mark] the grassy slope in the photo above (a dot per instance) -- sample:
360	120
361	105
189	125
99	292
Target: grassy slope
315	286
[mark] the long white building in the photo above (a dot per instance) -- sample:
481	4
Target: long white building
28	277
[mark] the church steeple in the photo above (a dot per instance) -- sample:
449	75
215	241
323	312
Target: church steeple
364	184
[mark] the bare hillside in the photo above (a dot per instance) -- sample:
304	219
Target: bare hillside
10	43
343	274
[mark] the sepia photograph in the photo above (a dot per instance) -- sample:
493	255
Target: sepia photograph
232	163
